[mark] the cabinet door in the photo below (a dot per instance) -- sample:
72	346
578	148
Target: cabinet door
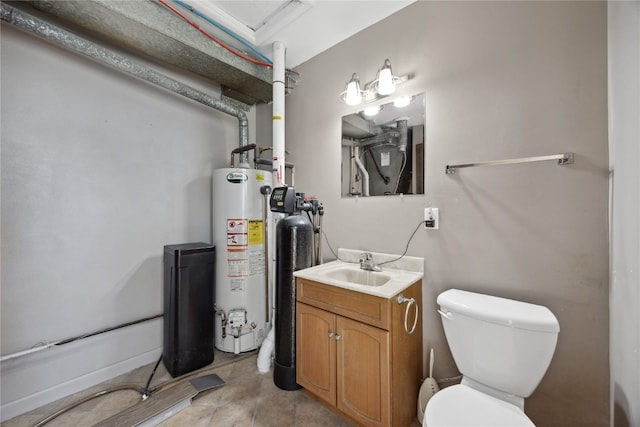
315	350
363	372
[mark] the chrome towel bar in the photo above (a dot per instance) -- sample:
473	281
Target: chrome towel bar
563	159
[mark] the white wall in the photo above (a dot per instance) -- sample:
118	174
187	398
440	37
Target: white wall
624	149
502	80
99	172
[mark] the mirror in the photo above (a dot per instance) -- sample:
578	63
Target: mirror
383	152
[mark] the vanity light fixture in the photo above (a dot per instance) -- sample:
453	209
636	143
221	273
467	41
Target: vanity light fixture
352	94
384	84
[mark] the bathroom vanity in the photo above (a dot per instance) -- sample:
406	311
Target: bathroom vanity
354	351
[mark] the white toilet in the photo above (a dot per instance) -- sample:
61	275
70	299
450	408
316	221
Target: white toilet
502	348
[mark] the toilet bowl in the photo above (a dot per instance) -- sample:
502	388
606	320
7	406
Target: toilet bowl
503	348
460	405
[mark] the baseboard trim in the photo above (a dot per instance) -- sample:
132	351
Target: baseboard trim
36	400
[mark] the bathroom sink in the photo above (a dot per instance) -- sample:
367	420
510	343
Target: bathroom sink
361	277
346	273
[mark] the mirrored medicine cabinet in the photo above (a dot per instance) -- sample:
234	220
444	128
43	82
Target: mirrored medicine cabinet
383	149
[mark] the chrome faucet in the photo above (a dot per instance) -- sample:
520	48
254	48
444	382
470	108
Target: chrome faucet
366	262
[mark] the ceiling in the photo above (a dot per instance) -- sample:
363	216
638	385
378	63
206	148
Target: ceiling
305	27
154	30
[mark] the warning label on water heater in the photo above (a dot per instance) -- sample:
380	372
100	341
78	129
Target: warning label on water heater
237	231
245	250
256	232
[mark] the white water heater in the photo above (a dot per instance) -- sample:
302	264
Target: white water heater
242	295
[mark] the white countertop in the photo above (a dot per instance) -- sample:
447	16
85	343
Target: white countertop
403	272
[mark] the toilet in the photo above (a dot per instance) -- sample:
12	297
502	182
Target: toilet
503	348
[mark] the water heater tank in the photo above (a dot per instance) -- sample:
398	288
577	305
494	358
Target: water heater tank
242	295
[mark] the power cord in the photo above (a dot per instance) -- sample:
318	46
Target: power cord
326	238
408	243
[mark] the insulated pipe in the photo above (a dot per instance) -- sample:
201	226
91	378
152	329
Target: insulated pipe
402	128
76	338
242	151
363	170
107	57
278	165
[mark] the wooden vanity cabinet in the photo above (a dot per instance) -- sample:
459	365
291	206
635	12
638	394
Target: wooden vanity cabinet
353	354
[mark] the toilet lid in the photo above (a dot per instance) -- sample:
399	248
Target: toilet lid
460	405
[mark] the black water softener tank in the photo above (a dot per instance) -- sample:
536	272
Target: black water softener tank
294	251
189	286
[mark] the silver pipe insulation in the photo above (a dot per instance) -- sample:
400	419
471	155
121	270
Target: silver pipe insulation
107	57
385	137
355	155
402	128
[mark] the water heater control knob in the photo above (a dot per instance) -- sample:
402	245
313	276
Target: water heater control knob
237	318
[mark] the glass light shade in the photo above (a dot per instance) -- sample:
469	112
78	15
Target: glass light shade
403	101
353	94
372	111
386	85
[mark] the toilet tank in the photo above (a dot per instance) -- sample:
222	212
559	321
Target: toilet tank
501	343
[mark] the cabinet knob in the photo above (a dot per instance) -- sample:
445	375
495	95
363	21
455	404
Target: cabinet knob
330	334
338	337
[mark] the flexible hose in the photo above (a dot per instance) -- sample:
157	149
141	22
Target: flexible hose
137	388
385	178
404	164
145	390
86	399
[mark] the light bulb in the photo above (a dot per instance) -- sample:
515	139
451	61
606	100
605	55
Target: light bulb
386	85
353	94
372	111
403	101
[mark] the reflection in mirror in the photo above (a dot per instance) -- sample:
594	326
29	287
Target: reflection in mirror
383	149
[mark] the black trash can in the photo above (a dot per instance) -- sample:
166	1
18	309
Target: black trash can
189	289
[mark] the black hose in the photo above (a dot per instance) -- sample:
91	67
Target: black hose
145	390
385	178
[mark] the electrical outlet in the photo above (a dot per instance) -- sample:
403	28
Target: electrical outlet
431	218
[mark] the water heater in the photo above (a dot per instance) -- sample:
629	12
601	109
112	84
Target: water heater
242	300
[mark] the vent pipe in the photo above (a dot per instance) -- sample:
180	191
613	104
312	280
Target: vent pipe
278	114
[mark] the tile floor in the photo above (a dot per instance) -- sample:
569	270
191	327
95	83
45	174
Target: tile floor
248	398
